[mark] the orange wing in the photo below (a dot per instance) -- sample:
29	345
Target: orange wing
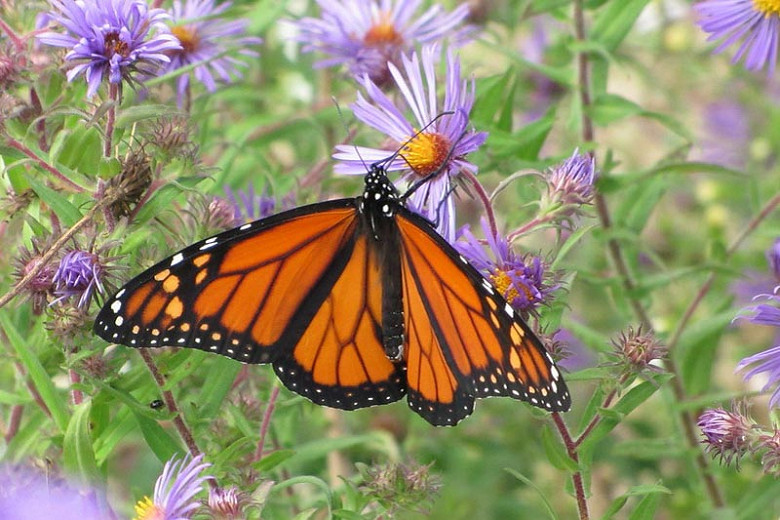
241	293
339	360
465	340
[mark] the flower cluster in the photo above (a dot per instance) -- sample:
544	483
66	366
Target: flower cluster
125	40
755	22
368	36
431	150
524	282
113	38
768	361
205	41
175	490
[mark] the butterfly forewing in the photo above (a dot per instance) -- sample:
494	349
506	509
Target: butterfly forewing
237	293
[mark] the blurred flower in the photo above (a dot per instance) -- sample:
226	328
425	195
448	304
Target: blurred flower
773	257
226	503
570	184
368	35
42	284
770	459
522	281
726	132
171	135
248	205
129	186
755	22
438	149
575	355
10	64
401	486
31	495
79	275
205	39
636	349
726	434
221	214
769	360
111	37
174	491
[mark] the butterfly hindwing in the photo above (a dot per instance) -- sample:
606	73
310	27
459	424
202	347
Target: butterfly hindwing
237	293
339	360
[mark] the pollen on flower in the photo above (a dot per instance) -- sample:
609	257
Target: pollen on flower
115	45
768	7
426	152
188	38
383	32
503	282
145	509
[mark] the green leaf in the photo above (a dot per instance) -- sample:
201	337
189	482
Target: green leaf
67	212
614	23
50	396
571	241
219	380
82	149
556	452
77	450
645	510
528	482
611	417
159	440
270	461
160	200
696	350
608	108
526	142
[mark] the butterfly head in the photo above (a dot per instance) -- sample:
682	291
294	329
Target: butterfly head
380	196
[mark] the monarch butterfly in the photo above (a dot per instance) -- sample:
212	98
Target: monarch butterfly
355	302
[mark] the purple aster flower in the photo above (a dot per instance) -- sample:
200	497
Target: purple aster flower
368	35
27	495
227	502
174	491
767	361
571	182
248	205
438	149
726	434
773	257
205	41
112	37
726	130
522	281
79	274
755	22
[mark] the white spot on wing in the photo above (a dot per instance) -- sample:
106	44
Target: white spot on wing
177	258
509	310
554	373
207	245
116	306
120	293
119	321
245	226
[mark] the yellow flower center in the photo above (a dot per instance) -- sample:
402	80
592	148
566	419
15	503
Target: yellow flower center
382	32
426	153
506	288
187	37
145	509
768	7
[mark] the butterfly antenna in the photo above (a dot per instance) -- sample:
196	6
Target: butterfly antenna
346	129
